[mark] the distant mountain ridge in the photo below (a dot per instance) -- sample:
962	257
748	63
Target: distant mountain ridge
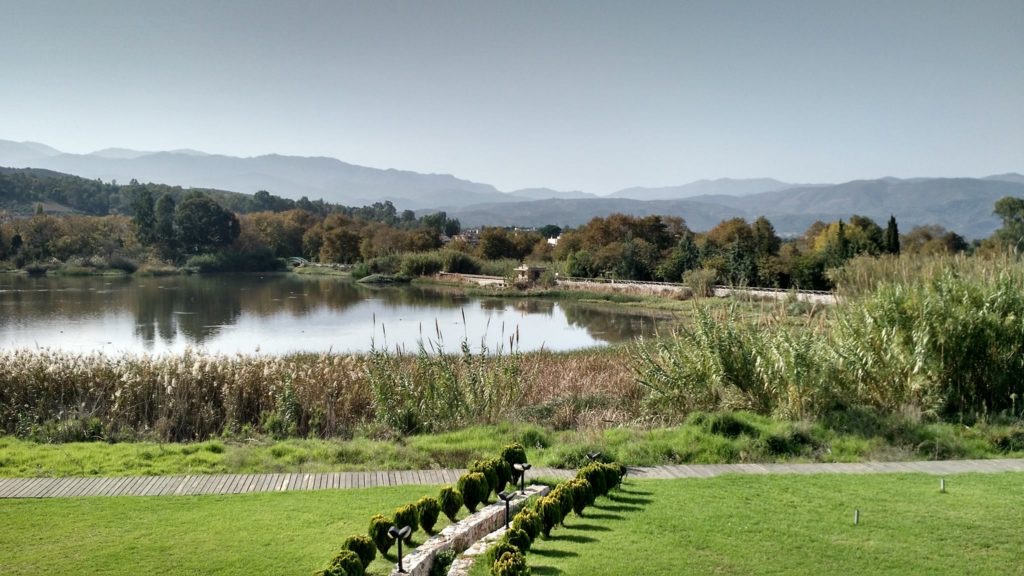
963	205
960	204
721	186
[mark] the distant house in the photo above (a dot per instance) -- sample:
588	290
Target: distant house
554	241
529	274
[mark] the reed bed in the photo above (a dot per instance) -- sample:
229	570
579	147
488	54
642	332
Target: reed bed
60	396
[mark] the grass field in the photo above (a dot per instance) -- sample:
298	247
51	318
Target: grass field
794	525
723	525
284	533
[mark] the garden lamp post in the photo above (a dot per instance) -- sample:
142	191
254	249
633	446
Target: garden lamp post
522	468
507	497
400	535
593	456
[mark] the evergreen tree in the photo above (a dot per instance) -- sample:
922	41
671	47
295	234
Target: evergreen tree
144	210
164	219
892	236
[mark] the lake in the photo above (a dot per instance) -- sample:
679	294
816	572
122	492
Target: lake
283	313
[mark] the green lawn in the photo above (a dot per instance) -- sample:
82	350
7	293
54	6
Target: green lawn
795	525
279	534
723	525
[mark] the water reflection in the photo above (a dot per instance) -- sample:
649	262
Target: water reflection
283	313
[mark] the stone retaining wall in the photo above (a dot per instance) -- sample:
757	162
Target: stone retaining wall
463	534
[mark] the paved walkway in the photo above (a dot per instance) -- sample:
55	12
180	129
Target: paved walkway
251	483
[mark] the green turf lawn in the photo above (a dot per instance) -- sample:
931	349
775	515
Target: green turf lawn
273	534
795	525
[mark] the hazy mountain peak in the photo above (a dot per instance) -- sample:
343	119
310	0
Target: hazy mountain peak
705	187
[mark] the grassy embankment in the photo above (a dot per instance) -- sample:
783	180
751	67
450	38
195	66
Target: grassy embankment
719	438
731	524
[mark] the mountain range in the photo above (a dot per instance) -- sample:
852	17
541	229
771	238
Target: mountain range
960	204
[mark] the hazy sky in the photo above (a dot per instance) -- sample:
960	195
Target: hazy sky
572	95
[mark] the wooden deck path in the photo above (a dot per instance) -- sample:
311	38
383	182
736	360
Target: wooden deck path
252	483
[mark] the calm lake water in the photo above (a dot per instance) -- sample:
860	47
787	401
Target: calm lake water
276	314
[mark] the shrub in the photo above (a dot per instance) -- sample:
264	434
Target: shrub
582	495
563	494
612	475
459	262
428	509
500	549
514	454
451	501
701	281
489	469
442	562
409	516
528	521
363	547
595	475
346	563
550	512
511	564
421	264
504	470
474	489
518	538
379	526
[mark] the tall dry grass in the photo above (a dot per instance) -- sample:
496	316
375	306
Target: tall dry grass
196	395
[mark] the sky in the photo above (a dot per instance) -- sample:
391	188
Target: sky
589	95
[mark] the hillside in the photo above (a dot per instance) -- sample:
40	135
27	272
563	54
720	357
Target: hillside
287	176
960	204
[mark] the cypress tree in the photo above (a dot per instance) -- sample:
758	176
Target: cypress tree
892	236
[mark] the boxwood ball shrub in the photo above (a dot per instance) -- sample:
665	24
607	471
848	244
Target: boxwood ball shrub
363	547
528	521
513	454
450	500
550	512
511	564
346	563
379	533
518	538
612	475
407	516
474	489
490	472
429	509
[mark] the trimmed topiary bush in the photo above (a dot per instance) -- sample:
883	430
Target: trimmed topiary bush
498	550
363	547
514	454
490	471
429	509
518	538
582	495
451	501
379	526
612	475
346	563
407	516
563	494
528	521
550	512
594	474
511	564
474	489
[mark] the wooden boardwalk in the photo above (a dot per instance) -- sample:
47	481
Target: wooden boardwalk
253	483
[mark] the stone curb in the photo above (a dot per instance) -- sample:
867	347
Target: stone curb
464	533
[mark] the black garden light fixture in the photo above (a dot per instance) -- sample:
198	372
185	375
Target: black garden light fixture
522	468
507	497
593	456
399	535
